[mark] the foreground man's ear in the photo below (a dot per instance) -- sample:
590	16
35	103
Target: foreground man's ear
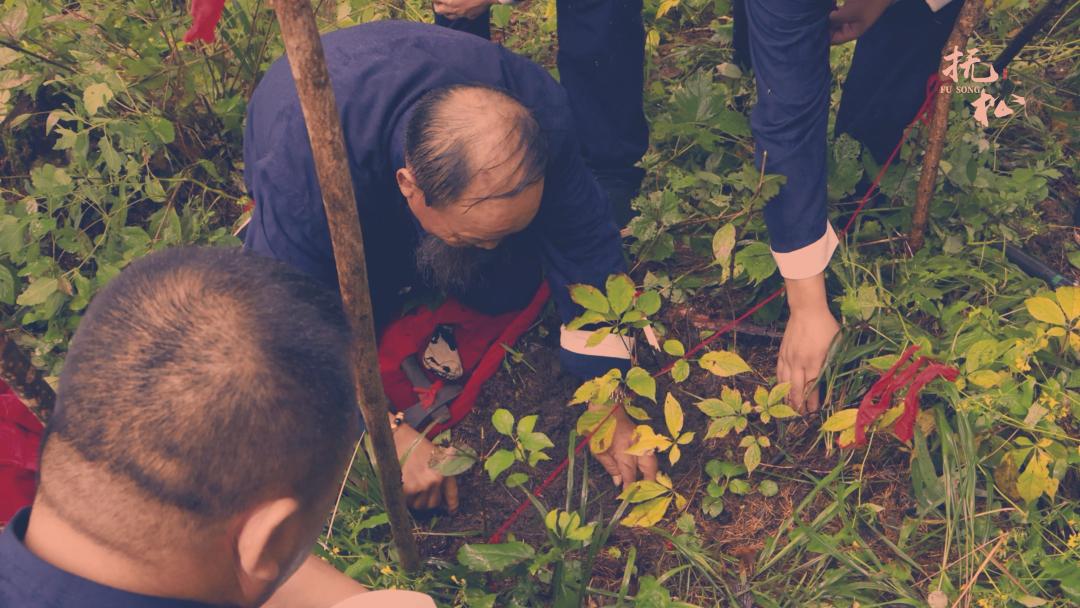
266	544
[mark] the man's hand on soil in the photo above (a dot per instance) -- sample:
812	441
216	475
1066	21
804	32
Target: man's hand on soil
623	467
462	9
807	338
424	487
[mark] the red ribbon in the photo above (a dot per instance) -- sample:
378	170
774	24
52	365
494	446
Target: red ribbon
427	394
205	15
880	396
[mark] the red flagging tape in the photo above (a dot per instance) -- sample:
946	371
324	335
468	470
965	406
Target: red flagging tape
922	115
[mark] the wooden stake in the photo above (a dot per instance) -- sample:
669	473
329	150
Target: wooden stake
308	64
969	17
25	380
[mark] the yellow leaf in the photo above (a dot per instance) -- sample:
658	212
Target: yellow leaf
663	479
985	378
1069	299
1045	310
665	7
643	490
652	40
647	439
841	420
673	415
674	455
846	438
723	363
601	441
647	513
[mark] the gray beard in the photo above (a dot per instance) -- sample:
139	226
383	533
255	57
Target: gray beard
454	270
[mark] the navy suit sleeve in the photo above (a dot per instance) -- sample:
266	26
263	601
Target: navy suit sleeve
789	46
581	244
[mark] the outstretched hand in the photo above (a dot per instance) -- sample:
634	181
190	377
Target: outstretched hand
808	336
624	468
853	18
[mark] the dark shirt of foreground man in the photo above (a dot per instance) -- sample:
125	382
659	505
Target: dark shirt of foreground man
177	468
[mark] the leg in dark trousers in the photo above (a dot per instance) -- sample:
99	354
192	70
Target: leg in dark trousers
601	63
602	66
886	83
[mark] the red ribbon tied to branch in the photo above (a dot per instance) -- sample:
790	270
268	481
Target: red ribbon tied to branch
205	15
880	396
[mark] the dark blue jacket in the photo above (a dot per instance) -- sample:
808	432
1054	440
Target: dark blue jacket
27	581
378	71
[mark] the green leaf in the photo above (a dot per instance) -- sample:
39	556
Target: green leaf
674	348
723	363
498	462
589	298
1045	310
752	457
526	424
768	488
514	480
636	412
96	96
493	558
596	337
602	438
535	441
757	261
642	383
680	371
844	419
38	292
451	462
648	303
673	415
620	292
782	411
1036	480
503	421
7	286
723	243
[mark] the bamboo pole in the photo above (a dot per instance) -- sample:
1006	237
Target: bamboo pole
969	17
25	380
308	64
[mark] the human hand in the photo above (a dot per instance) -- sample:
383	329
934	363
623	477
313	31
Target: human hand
424	487
807	338
462	9
853	18
624	467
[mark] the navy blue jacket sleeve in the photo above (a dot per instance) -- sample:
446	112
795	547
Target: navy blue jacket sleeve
789	47
581	245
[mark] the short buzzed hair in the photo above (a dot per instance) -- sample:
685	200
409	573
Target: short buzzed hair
207	379
440	150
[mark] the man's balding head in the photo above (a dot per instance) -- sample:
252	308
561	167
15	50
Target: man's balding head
199	382
475	160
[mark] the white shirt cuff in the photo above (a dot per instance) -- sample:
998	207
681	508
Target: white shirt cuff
385	598
809	260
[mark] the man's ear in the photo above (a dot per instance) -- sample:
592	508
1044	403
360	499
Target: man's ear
406	182
266	543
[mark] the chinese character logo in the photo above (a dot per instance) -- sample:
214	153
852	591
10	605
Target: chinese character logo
970	69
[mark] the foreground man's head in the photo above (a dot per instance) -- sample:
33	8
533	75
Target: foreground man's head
204	415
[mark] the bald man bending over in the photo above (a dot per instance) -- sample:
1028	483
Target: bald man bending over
469	180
